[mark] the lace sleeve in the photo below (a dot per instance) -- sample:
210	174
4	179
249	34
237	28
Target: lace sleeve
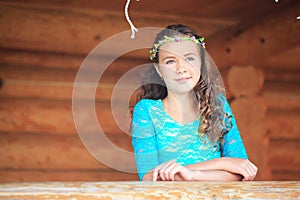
143	140
233	144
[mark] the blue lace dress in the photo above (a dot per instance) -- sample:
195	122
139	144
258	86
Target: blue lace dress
157	138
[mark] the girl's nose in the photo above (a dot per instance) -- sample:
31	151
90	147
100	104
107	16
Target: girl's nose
181	66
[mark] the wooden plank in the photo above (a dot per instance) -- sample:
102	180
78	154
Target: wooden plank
288	59
281	95
236	11
70	23
36	116
283	125
285	175
38	35
287	75
56	74
36	59
40	59
283	155
65	175
33	82
252	43
51	90
36	74
54	117
54	152
151	190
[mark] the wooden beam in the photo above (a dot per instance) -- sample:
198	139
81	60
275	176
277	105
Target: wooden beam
182	8
286	60
285	175
55	152
110	73
282	75
55	117
151	190
252	44
281	95
77	31
42	60
283	124
283	156
68	175
57	84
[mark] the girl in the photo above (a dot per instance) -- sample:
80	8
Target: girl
182	126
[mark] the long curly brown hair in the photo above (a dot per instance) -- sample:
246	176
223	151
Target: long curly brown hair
214	122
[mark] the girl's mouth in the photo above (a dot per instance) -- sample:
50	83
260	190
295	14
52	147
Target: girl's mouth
183	79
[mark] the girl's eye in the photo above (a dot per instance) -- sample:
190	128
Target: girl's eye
190	59
170	62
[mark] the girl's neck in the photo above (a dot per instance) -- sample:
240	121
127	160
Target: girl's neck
186	99
181	107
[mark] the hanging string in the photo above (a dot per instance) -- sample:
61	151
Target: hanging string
133	28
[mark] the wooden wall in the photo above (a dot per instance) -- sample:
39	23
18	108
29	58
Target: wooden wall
41	49
263	82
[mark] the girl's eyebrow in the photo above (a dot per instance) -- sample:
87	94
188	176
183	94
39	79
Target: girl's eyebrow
188	54
173	57
169	57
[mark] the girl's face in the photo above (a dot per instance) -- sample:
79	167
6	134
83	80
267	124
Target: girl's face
179	65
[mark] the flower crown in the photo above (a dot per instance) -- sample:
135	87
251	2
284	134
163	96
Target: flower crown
166	39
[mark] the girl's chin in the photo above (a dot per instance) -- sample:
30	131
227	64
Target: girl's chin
182	90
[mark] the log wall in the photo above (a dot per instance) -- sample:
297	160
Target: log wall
41	50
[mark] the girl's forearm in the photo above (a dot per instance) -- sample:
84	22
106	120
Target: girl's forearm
204	175
214	164
212	175
216	175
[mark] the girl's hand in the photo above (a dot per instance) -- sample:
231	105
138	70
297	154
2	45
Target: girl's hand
240	166
168	170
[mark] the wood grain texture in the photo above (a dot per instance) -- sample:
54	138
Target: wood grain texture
285	175
284	60
281	95
150	190
79	29
56	83
44	43
250	115
56	117
283	124
284	156
254	42
244	81
55	152
38	175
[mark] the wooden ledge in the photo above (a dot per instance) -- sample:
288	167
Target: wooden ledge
151	190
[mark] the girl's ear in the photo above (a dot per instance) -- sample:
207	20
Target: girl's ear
157	69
